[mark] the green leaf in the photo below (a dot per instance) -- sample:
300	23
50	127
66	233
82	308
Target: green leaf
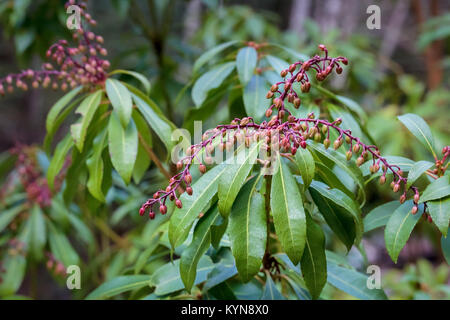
162	126
144	81
119	285
123	145
306	165
37	232
271	292
419	129
14	266
254	96
58	159
167	277
348	122
120	98
313	262
445	245
277	64
288	213
348	166
248	230
440	213
61	247
203	191
200	243
439	188
399	228
379	216
340	220
329	177
87	110
294	54
246	61
416	171
55	111
8	215
238	169
340	199
145	255
353	283
142	159
211	80
95	167
208	55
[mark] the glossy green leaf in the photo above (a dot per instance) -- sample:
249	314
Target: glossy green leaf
38	232
123	146
445	245
208	55
211	80
329	177
306	165
95	167
119	285
246	61
353	283
271	292
145	137
399	228
146	254
238	169
379	216
14	266
58	107
417	170
58	159
143	80
167	278
440	213
255	101
313	263
120	98
203	191
162	126
343	206
277	64
288	214
201	241
439	188
419	129
60	247
87	109
248	230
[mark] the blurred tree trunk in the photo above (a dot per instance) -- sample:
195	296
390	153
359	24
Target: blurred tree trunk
300	11
193	19
433	53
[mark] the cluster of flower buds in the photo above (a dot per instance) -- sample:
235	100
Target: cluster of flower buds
283	135
82	64
57	267
31	176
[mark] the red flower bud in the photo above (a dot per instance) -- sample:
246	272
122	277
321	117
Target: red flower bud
178	203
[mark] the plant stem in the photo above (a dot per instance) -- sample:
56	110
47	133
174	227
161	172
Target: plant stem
154	158
268	179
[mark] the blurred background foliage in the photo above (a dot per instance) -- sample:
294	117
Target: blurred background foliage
401	68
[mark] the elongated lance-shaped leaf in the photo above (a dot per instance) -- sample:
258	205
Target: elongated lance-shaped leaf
95	167
271	292
142	79
61	247
120	98
445	245
337	217
208	55
440	213
379	216
420	130
416	171
306	165
37	232
238	170
340	199
200	243
58	159
399	228
58	107
119	285
203	191
439	188
288	214
248	230
246	61
313	262
123	145
254	97
145	141
87	111
8	215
